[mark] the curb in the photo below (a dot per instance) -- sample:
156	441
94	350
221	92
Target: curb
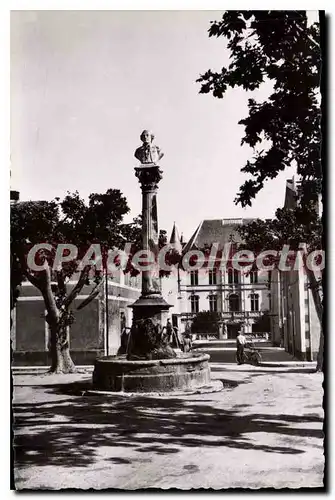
44	370
288	364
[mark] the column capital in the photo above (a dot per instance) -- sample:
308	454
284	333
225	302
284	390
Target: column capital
149	176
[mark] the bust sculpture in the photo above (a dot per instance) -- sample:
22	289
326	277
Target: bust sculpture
148	153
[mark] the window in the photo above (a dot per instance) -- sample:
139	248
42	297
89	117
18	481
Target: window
212	276
270	301
194	304
194	277
234	302
269	279
213	303
253	277
254	302
232	276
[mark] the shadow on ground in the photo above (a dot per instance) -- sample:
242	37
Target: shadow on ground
260	370
71	431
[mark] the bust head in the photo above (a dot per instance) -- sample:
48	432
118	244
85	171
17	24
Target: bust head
148	153
147	136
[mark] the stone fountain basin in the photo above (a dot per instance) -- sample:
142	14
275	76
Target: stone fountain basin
117	374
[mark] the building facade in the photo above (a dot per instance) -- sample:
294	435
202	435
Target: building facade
239	298
294	320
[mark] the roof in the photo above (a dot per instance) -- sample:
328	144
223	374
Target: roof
175	238
220	231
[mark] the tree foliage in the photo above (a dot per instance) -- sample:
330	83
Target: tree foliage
134	235
262	324
291	226
206	322
275	46
68	221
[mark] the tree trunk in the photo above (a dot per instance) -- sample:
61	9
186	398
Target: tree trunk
61	361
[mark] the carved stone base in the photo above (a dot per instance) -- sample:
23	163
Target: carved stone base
147	339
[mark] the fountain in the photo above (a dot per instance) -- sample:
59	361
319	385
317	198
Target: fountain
150	364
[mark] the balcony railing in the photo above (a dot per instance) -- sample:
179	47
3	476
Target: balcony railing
204	287
230	314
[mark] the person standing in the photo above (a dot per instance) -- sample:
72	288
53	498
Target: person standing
169	331
240	344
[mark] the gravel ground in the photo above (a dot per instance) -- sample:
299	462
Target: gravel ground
263	430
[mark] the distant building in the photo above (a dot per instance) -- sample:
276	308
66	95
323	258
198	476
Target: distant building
239	298
295	323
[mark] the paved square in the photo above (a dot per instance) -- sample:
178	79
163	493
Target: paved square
263	430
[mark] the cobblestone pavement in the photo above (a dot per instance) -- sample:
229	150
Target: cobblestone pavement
263	430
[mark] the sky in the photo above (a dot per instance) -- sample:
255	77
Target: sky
84	84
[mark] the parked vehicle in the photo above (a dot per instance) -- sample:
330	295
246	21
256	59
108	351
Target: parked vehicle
251	355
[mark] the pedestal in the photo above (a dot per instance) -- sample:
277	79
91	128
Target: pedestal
147	339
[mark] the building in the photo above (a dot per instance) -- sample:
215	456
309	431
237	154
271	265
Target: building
295	324
95	331
239	298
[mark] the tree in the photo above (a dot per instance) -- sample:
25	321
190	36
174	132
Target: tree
69	221
206	322
262	324
283	130
276	47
